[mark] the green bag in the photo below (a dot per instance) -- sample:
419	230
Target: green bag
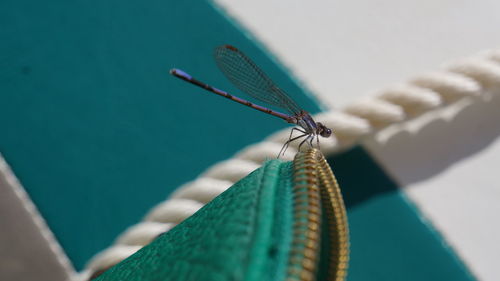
284	221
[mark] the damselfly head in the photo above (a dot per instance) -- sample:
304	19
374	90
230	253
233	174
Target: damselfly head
323	130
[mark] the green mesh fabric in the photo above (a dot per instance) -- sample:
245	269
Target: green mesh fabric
240	235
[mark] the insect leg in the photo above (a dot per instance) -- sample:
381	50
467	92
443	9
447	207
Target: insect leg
285	146
305	140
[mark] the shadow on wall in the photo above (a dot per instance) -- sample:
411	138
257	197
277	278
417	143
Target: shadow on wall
418	154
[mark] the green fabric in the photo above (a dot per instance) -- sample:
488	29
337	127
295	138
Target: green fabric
238	236
93	125
389	239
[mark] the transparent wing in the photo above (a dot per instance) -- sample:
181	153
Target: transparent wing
249	78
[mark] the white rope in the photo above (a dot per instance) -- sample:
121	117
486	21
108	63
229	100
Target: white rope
465	78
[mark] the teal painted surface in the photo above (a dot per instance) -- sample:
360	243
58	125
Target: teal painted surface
93	125
389	241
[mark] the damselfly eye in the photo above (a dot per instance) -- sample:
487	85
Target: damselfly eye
326	132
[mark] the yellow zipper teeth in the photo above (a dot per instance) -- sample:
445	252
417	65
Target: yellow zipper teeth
337	221
316	194
307	221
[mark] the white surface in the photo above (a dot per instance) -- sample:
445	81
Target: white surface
343	50
449	167
464	201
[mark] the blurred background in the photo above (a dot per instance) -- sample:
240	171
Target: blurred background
97	132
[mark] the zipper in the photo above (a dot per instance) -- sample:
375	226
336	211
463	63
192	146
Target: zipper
320	236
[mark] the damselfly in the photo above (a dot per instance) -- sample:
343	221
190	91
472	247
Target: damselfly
249	78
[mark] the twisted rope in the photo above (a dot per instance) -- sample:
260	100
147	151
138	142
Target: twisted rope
470	77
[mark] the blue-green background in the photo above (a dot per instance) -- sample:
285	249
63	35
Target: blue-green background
98	132
93	125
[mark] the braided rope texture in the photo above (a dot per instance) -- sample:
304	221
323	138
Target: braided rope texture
468	78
